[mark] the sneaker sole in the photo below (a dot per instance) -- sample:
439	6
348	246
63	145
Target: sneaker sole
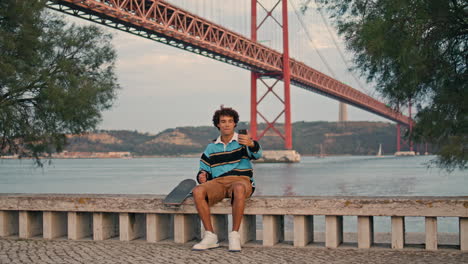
234	251
195	249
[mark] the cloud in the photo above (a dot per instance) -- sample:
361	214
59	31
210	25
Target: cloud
149	60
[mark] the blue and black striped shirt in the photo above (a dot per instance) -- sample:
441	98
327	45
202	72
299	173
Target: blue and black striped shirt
232	159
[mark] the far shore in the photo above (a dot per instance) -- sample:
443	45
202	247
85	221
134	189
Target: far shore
195	155
90	157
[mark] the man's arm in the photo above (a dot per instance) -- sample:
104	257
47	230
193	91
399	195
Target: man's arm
254	150
204	174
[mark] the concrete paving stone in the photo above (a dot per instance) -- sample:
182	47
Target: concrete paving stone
111	251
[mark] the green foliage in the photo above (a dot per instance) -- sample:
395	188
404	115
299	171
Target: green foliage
414	49
55	78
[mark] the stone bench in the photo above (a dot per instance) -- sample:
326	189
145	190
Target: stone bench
128	217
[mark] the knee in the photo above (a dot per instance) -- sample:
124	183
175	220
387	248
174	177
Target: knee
238	190
199	192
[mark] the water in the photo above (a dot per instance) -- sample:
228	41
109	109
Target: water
347	175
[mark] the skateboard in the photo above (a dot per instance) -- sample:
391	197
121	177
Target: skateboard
177	196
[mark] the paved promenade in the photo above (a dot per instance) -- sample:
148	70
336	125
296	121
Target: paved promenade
112	251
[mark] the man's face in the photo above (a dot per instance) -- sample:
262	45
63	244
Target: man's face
226	125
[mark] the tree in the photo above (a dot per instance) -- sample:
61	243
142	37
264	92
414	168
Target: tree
414	50
55	78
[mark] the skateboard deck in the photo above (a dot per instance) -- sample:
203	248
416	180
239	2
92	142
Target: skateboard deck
183	190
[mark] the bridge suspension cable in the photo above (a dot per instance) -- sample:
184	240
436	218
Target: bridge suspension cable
306	31
335	43
345	61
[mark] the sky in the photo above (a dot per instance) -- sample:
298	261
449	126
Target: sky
165	87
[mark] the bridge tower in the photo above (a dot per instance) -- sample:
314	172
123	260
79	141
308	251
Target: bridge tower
343	112
284	75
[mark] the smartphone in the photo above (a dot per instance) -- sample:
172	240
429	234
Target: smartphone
243	131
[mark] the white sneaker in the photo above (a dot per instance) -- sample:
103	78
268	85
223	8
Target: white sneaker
209	241
234	242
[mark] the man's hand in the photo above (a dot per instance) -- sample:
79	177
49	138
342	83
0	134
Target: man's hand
202	177
246	140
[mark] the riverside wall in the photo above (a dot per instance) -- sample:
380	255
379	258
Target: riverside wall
130	217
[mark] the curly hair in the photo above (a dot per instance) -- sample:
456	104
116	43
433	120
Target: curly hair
225	111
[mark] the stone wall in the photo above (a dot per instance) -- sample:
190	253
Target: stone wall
129	217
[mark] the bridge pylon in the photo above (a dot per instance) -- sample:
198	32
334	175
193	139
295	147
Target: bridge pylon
343	113
284	75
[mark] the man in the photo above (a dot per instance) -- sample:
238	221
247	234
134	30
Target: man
225	172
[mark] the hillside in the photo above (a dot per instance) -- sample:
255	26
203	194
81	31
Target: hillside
353	138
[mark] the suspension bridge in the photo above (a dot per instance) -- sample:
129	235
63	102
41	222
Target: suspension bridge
166	23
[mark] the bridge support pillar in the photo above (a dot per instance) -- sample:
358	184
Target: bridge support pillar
343	112
284	75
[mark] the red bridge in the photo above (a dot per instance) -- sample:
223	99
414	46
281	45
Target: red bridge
165	23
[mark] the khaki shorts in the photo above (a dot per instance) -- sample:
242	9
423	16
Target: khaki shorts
220	188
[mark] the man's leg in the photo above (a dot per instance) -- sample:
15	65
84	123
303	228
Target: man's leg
238	205
199	196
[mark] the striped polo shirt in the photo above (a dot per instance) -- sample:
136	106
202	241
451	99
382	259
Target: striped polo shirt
231	159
